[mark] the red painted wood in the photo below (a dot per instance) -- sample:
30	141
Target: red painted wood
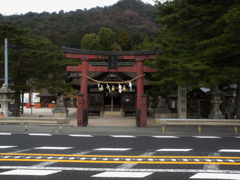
80	111
105	69
144	110
140	87
124	57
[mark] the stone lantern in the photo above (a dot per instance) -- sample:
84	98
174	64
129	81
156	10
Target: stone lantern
216	101
4	100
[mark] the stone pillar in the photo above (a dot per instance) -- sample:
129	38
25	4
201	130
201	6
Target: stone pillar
140	90
80	110
84	88
143	110
182	102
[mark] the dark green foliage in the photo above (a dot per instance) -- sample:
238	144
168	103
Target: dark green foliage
132	15
37	60
200	43
124	41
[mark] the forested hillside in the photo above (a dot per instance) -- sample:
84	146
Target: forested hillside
68	28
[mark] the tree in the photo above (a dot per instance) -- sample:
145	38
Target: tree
88	41
35	59
146	44
124	41
200	44
116	47
106	38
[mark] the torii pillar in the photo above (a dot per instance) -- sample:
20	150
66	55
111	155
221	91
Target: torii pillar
140	91
84	91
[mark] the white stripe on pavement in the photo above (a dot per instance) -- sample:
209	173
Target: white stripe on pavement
112	149
207	137
53	148
123	136
165	136
25	172
5	134
229	150
175	150
80	135
38	134
123	174
4	147
215	176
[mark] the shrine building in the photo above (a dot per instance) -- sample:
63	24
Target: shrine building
111	88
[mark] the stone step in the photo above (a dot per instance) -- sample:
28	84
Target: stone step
113	114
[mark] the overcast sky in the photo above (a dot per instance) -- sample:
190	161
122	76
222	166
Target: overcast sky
9	7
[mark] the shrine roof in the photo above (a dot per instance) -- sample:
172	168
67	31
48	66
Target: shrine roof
111	53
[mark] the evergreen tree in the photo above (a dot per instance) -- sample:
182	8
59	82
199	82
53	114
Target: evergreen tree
124	41
200	44
35	59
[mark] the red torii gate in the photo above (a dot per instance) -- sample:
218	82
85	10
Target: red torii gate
86	55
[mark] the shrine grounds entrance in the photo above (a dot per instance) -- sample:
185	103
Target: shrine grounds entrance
112	67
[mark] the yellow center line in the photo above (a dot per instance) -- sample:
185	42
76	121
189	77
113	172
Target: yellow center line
118	162
116	156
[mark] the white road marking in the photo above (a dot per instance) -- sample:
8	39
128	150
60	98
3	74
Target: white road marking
6	157
208	137
71	158
105	159
112	149
150	159
185	159
40	157
5	147
80	135
229	150
123	136
237	136
28	157
165	136
20	151
60	158
175	150
211	166
161	159
53	148
123	174
49	157
38	134
173	160
230	160
208	160
8	134
25	172
215	176
116	159
93	159
83	158
127	159
196	160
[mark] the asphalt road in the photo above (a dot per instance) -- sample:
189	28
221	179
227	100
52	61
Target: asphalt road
54	156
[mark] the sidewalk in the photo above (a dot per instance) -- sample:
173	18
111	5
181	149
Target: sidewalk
109	126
